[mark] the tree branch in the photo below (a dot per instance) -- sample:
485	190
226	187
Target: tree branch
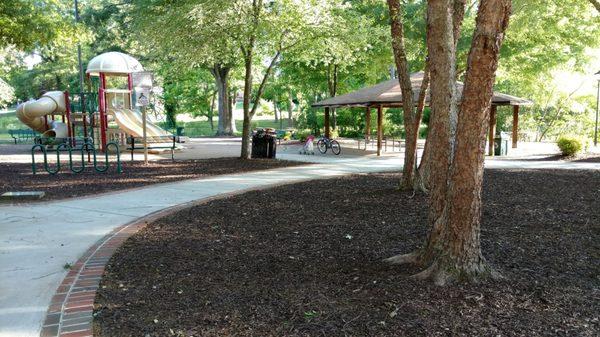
263	82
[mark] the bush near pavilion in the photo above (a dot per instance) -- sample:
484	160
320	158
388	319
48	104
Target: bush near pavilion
569	146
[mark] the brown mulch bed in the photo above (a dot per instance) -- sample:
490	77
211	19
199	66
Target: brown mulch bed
65	184
304	260
589	158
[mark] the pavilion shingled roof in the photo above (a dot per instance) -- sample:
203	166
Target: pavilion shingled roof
388	93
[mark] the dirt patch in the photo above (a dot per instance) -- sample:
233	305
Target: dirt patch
65	184
304	260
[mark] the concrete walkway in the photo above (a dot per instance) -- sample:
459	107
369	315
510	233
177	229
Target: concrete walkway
37	240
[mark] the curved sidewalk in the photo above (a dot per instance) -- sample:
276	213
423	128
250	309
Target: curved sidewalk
37	240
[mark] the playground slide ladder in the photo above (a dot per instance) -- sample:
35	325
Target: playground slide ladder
87	147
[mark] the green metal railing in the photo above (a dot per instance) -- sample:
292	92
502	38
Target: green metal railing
87	148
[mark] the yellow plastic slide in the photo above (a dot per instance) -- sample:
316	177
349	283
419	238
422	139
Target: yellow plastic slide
131	122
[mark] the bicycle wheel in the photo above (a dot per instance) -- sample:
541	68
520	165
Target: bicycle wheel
335	147
322	146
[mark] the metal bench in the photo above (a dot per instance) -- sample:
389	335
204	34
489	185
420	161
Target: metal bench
154	143
22	135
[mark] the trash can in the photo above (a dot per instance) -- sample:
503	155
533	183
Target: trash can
501	145
264	143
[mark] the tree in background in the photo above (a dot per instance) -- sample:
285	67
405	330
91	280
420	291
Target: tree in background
545	40
39	28
352	51
27	24
265	31
187	34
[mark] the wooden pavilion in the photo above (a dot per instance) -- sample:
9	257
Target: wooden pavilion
388	94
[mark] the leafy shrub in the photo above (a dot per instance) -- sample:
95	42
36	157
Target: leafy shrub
333	134
423	132
351	133
569	146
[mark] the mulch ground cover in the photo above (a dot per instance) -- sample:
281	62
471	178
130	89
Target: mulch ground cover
65	184
584	158
304	260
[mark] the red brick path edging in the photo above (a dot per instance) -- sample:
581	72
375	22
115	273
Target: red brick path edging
71	309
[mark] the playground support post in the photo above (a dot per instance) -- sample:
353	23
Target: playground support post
143	108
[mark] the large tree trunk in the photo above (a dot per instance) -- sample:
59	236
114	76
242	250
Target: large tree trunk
221	75
461	258
442	124
408	107
453	251
332	80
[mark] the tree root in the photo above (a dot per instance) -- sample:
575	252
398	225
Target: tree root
410	258
443	273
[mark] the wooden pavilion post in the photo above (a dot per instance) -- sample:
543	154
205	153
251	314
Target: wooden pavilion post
492	133
368	123
327	122
379	129
515	127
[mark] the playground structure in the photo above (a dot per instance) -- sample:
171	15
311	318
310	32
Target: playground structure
116	104
92	121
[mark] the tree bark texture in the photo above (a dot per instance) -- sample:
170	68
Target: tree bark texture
442	63
458	14
461	258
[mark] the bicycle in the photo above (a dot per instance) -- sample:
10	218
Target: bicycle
325	143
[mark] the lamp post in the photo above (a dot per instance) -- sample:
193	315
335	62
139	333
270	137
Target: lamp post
597	109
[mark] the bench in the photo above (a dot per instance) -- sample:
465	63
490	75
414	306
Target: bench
154	143
22	135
